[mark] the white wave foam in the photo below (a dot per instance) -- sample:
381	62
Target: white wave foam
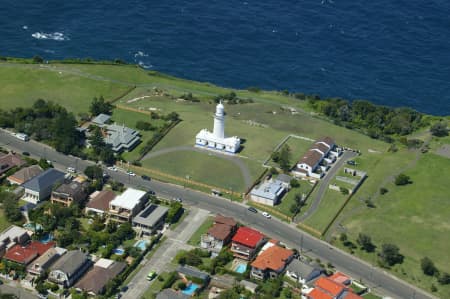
140	54
25	27
49	51
145	66
58	36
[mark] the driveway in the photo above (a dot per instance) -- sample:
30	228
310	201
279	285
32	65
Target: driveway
323	185
161	259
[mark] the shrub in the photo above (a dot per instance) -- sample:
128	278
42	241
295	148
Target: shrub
402	179
428	266
383	190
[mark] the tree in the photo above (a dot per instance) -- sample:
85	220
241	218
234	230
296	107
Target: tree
428	266
344	190
284	159
402	179
444	278
38	59
365	242
439	129
343	237
294	183
94	172
11	209
44	164
145	126
99	106
273	171
96	140
383	190
181	285
390	255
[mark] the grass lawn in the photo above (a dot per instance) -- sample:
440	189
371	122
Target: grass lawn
195	239
371	296
4	223
330	204
23	84
155	286
412	217
200	167
289	198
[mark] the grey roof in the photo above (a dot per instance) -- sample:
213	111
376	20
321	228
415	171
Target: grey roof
96	279
70	262
171	294
101	118
44	180
151	215
284	178
190	271
302	269
269	190
121	137
70	188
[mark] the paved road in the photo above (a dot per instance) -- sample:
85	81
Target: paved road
373	277
236	160
160	261
18	291
323	185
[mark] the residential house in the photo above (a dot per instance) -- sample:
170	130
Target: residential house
94	282
271	262
303	272
69	268
43	263
101	119
121	138
25	174
219	234
99	202
310	165
171	294
150	219
40	187
327	288
12	236
69	193
25	254
246	243
285	180
188	272
9	161
268	193
127	205
340	277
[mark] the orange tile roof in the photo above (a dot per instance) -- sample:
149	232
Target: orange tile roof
273	258
329	286
339	277
318	294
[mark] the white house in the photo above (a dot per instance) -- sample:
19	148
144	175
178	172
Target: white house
268	193
216	139
125	206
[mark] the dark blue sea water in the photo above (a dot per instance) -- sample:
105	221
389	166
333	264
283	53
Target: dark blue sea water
390	52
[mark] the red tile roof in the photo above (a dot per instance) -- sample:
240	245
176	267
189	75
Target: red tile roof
326	140
273	258
318	294
329	286
248	237
220	231
340	277
311	158
26	254
225	220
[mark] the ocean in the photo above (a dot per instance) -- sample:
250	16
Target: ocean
393	53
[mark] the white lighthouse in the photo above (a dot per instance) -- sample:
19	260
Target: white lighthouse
217	140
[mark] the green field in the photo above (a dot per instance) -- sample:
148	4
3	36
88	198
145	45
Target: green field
22	85
288	199
4	224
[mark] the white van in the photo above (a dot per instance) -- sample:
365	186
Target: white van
22	136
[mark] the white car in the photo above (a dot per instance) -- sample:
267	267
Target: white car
267	215
71	169
131	173
113	168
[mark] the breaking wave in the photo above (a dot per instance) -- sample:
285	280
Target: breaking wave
58	36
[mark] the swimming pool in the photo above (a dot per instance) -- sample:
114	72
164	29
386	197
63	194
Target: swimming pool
47	238
141	244
241	268
119	251
190	289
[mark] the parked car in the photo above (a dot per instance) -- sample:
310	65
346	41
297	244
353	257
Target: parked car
71	169
131	173
351	162
151	275
124	289
146	177
252	209
25	153
177	199
267	215
113	168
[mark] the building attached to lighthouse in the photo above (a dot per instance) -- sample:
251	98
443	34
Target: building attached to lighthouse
216	139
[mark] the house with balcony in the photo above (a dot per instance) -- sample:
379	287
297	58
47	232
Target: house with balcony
12	236
271	262
99	202
69	193
40	265
69	268
149	220
127	205
329	288
246	243
40	187
219	234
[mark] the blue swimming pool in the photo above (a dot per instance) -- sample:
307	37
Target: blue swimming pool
241	268
141	244
190	289
47	238
119	251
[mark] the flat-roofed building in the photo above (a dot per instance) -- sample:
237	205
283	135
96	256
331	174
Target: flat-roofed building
150	219
127	205
11	236
268	193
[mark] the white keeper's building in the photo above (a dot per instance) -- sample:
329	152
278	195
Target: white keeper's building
216	139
